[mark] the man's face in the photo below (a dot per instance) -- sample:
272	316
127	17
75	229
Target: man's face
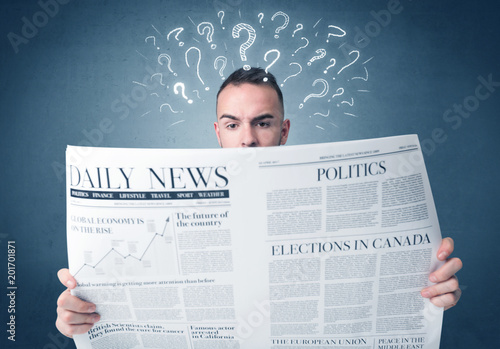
250	115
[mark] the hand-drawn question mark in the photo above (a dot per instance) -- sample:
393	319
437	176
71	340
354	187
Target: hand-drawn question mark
183	89
161	78
178	31
207	26
261	16
339	92
343	33
300	70
154	41
224	62
169	62
198	94
281	27
321	53
198	64
323	115
347	65
168	105
348	103
221	17
246	45
301	47
299	27
331	65
277	57
317	95
360	77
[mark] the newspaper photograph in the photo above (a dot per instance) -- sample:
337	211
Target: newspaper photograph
311	246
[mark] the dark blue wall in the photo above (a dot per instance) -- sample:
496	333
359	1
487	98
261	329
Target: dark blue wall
82	72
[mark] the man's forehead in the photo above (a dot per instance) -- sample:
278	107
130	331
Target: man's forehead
248	96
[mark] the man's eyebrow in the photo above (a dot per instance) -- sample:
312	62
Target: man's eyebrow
263	117
227	116
257	118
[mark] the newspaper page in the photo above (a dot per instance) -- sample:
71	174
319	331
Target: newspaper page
314	246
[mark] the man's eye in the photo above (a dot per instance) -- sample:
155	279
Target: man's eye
231	126
263	124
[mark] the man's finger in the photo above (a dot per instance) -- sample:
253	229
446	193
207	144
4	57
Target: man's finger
448	286
446	248
66	279
70	330
69	302
72	318
447	300
447	270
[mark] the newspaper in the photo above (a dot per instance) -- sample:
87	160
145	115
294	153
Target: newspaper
313	246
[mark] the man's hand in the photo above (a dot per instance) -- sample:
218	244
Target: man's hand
446	292
74	316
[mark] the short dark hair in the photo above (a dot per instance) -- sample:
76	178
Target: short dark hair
256	76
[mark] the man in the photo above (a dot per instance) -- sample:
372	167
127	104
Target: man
250	113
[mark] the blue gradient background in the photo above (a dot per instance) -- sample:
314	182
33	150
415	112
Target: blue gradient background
65	80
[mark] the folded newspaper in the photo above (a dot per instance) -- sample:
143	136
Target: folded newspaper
312	246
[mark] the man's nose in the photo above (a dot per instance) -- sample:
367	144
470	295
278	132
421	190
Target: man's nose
249	137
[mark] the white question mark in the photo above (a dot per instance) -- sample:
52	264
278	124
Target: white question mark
197	94
169	62
246	45
224	62
347	65
299	27
207	26
154	41
281	27
317	95
261	16
301	47
360	77
331	65
198	64
343	33
339	92
277	57
300	70
161	78
321	53
178	31
348	103
221	17
168	105
183	89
